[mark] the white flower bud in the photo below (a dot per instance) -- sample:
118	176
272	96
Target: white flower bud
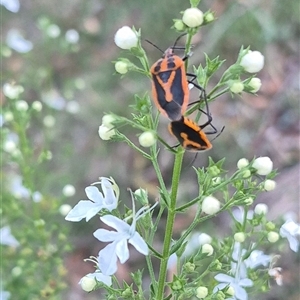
253	61
269	185
21	105
121	67
68	190
239	237
87	283
49	121
147	139
273	237
210	205
105	132
12	91
65	209
107	120
261	209
192	17
126	38
263	165
201	292
237	87
72	107
9	146
204	239
242	163
8	116
37	105
53	31
255	84
207	249
72	36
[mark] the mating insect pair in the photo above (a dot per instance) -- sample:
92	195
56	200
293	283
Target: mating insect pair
170	91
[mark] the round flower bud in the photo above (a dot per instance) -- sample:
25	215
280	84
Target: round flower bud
255	84
107	120
270	226
9	146
53	31
37	105
179	25
121	67
105	132
263	165
246	173
68	190
204	239
249	201
192	17
21	105
207	249
16	271
242	163
273	237
126	38
239	237
8	116
253	61
210	205
72	107
87	283
72	36
269	185
147	139
201	292
64	209
261	209
209	17
237	87
49	121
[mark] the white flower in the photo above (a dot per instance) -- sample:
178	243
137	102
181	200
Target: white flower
121	67
7	238
291	230
21	105
201	292
15	41
273	236
242	163
124	234
210	205
237	284
253	61
204	239
237	87
68	190
147	139
255	84
257	258
126	38
263	165
239	237
88	209
89	281
106	133
12	91
276	273
269	185
72	36
11	5
261	209
207	249
192	17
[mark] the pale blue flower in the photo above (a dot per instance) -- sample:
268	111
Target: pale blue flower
257	258
238	285
6	238
239	213
16	41
11	5
4	295
98	201
291	230
124	234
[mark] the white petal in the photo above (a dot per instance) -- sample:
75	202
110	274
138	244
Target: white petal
115	223
294	243
122	251
107	259
239	292
104	235
219	287
103	278
110	200
139	244
224	278
11	5
80	211
246	282
7	238
94	194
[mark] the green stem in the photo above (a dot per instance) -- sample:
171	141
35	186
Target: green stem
169	225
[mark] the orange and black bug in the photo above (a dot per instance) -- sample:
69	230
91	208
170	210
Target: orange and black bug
170	89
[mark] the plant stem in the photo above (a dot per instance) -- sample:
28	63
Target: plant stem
169	225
